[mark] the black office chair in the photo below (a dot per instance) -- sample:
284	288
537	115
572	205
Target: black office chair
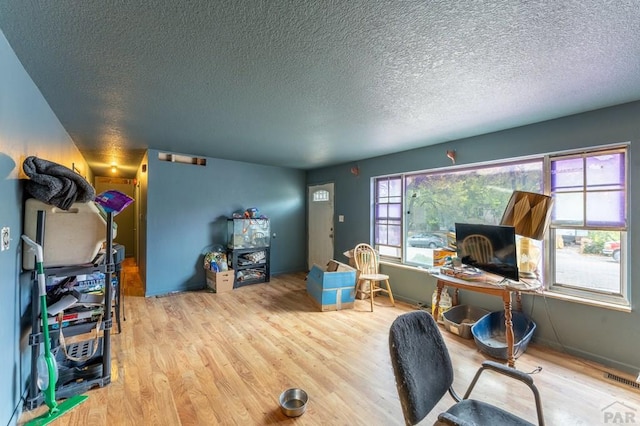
423	372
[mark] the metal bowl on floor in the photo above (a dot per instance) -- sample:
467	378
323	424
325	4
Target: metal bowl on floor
293	402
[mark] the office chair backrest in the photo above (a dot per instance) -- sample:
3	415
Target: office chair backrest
420	362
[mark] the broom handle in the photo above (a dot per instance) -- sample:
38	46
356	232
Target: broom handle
49	392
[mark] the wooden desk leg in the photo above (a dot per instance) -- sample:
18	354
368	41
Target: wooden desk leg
509	329
436	309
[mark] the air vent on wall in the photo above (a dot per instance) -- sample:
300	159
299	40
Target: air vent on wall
107	180
622	380
184	159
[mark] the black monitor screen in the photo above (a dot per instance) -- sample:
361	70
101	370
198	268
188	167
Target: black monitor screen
491	248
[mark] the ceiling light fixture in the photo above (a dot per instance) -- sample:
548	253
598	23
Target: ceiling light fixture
114	168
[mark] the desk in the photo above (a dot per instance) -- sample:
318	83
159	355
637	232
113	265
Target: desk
487	285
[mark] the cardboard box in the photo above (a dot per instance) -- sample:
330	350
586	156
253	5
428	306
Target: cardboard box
349	255
220	281
335	266
438	257
72	237
332	290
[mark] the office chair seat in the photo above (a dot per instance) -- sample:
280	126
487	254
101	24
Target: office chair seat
479	413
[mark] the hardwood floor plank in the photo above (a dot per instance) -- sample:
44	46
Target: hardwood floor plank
200	358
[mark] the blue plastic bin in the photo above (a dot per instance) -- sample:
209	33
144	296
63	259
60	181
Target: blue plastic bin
490	337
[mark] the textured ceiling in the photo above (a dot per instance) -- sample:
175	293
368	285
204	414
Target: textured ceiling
308	83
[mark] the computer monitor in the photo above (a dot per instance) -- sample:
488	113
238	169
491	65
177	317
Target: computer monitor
491	248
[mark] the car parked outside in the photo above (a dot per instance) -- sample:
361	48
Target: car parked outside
426	241
612	248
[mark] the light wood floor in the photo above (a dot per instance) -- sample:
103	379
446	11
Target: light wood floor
200	358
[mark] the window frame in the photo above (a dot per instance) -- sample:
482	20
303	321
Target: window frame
620	298
385	249
549	262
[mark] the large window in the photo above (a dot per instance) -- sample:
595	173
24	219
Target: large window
584	253
388	215
437	200
589	224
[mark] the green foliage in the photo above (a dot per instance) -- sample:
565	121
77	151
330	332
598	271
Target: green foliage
597	240
437	201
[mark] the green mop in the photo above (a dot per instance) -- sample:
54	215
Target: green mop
47	367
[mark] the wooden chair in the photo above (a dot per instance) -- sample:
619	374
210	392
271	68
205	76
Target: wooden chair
366	260
478	247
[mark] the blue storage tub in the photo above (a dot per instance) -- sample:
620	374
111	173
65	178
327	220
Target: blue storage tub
489	334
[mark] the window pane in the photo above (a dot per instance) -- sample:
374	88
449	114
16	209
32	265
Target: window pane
395	187
567	174
381	234
568	209
605	208
388	251
321	195
382	211
605	171
383	188
588	260
395	211
436	201
395	235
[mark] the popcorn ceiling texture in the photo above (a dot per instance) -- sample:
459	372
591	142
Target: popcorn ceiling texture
311	83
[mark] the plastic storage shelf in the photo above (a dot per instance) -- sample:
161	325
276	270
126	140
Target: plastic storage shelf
74	377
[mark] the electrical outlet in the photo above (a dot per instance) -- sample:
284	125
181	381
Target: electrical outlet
5	238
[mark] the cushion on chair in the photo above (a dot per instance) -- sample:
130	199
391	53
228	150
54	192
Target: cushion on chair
421	363
469	411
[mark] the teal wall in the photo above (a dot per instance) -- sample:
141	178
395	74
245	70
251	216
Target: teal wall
27	127
603	335
187	207
183	210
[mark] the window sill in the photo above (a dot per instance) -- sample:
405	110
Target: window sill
548	293
584	301
404	266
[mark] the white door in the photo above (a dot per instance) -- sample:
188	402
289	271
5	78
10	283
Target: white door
320	219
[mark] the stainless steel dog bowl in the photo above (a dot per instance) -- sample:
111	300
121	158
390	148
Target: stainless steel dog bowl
293	402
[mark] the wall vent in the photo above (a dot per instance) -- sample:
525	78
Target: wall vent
107	180
622	380
184	159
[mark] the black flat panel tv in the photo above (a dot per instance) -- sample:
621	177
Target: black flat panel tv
491	248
